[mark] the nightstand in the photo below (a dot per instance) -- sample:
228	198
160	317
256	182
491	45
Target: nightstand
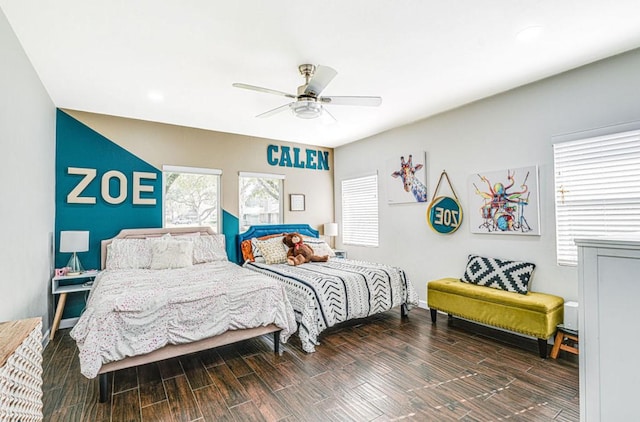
57	289
340	253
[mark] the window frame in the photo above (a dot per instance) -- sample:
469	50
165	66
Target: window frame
248	174
194	170
586	214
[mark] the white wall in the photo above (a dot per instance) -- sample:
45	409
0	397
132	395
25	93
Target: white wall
27	141
510	130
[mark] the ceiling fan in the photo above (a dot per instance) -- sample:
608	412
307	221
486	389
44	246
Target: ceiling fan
308	103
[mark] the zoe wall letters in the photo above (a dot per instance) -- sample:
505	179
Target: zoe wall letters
89	174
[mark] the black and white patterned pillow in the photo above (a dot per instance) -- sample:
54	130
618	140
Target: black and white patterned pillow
512	276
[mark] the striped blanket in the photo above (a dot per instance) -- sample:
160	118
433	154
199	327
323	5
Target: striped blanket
326	293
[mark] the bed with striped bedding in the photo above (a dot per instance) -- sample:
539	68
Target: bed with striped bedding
324	294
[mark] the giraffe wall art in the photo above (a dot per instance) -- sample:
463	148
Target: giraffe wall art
407	179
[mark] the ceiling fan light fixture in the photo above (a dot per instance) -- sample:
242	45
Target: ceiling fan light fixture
306	109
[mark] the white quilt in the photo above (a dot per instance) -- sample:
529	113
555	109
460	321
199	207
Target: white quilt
133	312
326	293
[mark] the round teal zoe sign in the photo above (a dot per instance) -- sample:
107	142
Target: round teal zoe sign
444	215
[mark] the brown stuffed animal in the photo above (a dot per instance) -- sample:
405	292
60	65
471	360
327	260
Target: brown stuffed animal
299	252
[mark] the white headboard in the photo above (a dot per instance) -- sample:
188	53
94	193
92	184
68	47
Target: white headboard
145	233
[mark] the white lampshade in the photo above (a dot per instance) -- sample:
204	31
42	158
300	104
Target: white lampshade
331	229
74	241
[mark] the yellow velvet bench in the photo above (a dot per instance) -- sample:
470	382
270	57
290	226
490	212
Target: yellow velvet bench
534	314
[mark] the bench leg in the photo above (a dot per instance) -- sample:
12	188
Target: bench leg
542	347
404	310
434	315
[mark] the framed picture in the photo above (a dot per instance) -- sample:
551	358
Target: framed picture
406	178
505	202
296	202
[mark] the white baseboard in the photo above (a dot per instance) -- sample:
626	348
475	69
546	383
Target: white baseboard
64	323
45	338
68	323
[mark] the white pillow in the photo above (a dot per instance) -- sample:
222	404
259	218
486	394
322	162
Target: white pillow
209	248
255	251
319	246
171	254
273	250
127	254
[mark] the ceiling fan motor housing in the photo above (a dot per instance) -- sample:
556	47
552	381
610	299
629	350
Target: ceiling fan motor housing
307	70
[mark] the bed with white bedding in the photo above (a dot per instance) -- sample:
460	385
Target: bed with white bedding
324	294
139	312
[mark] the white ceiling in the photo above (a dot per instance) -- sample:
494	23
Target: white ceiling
422	56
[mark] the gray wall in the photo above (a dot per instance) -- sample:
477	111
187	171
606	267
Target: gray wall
27	141
510	130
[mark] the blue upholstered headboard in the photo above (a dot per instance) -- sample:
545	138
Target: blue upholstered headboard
267	229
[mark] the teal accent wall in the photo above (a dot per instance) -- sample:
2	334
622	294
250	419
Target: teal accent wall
78	146
230	228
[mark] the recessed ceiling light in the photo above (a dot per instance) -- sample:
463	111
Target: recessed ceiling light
155	96
530	33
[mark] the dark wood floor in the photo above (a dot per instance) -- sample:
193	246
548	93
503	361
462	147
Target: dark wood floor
383	368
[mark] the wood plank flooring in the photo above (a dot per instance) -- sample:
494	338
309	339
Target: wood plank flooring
380	369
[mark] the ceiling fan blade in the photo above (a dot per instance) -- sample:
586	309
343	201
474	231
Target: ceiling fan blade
356	101
261	89
327	118
274	111
320	79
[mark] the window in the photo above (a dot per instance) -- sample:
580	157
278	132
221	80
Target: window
260	199
191	197
597	185
360	211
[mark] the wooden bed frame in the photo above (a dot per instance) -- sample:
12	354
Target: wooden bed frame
172	350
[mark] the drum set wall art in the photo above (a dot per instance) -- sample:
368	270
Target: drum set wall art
505	202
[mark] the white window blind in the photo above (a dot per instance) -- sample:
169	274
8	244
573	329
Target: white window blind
597	185
360	211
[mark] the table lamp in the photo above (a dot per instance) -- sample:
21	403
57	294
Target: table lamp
331	230
74	242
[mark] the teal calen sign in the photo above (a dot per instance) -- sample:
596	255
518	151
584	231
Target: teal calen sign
285	156
444	215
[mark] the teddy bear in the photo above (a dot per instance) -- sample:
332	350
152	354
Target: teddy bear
299	252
